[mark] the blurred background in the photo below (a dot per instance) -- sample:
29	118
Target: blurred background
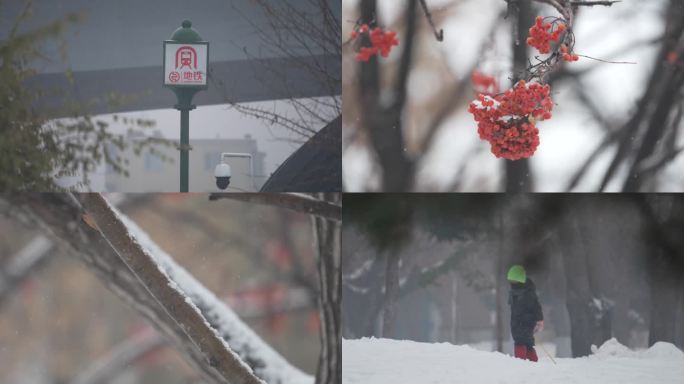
615	127
59	324
432	268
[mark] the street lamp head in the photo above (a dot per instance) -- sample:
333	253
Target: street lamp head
186	34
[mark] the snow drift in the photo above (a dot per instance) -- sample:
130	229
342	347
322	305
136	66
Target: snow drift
371	361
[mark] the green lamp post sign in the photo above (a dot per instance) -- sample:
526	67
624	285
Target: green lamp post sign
186	57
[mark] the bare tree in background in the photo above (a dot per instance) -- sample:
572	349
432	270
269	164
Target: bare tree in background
21	265
325	210
308	34
328	235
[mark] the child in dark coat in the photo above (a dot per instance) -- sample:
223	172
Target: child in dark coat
526	313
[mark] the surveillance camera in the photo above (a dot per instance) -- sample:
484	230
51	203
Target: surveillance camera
222	174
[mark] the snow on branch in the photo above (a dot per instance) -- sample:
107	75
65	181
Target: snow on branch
231	342
167	293
297	202
61	217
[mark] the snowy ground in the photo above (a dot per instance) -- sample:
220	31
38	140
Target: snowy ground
376	361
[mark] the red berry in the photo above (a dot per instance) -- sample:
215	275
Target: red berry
507	121
484	84
541	35
381	43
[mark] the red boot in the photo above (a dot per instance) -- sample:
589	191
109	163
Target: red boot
520	351
531	354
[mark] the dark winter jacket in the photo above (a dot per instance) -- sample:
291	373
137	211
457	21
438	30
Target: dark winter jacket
525	312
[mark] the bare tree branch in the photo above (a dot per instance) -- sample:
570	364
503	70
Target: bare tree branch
20	266
328	236
293	201
109	366
439	35
307	34
608	3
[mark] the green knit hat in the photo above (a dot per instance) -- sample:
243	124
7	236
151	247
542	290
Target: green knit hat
517	274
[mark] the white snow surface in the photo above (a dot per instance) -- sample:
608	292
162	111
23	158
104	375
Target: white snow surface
376	361
242	338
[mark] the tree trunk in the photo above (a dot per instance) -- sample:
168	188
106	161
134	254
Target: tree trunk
391	291
517	173
663	217
680	321
585	327
499	285
384	123
328	234
454	308
665	291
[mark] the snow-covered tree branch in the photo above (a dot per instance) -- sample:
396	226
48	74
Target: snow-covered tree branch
63	218
167	292
297	202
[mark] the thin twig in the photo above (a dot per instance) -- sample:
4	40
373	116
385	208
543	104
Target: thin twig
297	202
439	35
606	61
593	3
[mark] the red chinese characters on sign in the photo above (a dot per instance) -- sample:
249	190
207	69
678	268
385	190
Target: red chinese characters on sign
186	66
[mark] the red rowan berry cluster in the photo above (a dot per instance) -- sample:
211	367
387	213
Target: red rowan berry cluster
484	84
381	42
507	120
566	55
542	34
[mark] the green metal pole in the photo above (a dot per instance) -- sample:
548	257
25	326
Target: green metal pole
185	35
184	149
